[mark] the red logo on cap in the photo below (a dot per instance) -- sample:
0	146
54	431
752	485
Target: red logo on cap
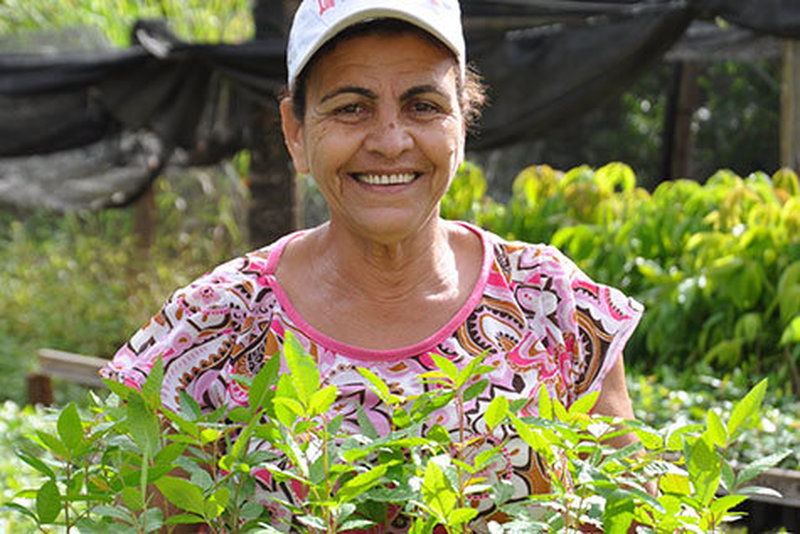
325	5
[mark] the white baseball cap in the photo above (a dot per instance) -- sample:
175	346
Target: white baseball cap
317	21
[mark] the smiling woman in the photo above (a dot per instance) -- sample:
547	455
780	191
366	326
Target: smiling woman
378	106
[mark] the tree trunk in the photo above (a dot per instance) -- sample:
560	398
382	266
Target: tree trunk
678	137
272	211
790	105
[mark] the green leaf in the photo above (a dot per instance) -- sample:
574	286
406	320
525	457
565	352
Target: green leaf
18	508
469	370
115	512
545	404
474	390
675	484
721	506
496	411
294	406
753	469
400	418
728	476
36	463
69	427
151	389
143	424
485	457
746	409
152	520
322	400
119	389
356	524
446	366
649	438
261	388
459	516
169	454
716	429
533	438
362	482
132	498
704	470
209	435
239	446
316	523
791	333
189	407
618	512
615	176
439	434
240	414
217	503
184	519
760	491
364	424
379	387
559	411
51	443
285	390
182	493
676	436
436	491
584	404
48	502
303	369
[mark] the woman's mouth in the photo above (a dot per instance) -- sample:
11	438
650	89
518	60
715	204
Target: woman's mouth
386	179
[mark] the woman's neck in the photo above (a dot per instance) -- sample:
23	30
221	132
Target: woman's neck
383	295
389	271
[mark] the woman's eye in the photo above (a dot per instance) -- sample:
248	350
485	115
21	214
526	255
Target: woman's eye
349	109
424	108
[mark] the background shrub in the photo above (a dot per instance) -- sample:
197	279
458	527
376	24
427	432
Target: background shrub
717	264
80	282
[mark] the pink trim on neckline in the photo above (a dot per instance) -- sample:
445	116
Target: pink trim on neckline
358	353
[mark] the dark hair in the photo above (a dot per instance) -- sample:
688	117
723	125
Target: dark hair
471	92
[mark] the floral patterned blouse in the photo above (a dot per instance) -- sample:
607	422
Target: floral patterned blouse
541	321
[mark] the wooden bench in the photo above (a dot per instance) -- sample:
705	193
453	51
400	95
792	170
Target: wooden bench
76	368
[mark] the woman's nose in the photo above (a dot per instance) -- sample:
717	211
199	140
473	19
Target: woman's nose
389	137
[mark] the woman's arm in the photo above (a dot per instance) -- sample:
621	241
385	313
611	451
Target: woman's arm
615	401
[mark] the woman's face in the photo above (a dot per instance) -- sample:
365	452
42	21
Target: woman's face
383	133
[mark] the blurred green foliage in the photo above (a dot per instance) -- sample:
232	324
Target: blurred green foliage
79	282
193	20
717	265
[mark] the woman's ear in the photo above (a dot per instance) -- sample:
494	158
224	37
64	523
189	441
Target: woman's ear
293	136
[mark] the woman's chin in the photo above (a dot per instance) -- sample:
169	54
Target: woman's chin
387	226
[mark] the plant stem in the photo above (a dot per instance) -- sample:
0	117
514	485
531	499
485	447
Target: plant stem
66	501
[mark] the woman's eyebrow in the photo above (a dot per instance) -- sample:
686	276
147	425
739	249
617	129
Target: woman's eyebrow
349	89
421	89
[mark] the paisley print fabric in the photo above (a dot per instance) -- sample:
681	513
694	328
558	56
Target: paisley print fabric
541	321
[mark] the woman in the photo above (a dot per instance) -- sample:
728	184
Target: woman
378	107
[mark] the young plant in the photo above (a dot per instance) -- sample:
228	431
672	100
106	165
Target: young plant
118	466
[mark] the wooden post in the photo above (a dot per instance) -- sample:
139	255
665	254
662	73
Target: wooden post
145	216
790	105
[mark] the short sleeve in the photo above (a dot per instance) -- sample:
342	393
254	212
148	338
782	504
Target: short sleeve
195	334
602	319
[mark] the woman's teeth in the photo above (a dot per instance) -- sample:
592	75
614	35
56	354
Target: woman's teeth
386	179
